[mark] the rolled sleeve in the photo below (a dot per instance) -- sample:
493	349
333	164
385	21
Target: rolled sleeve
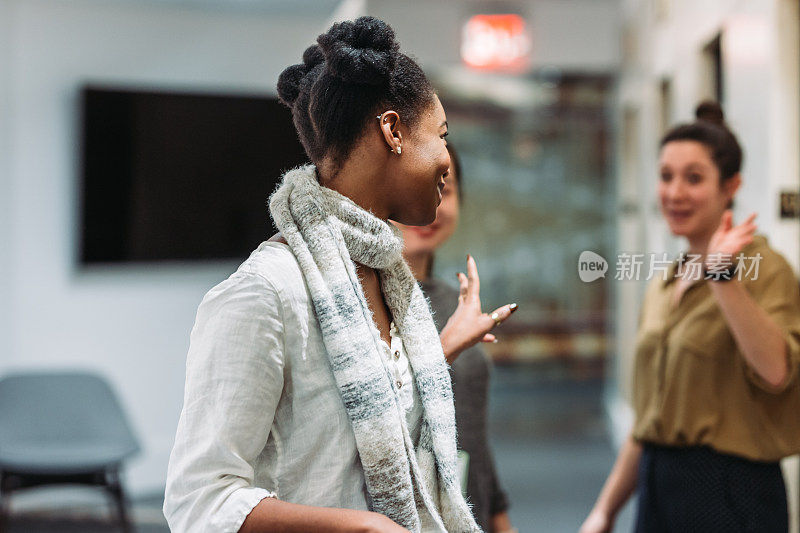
234	380
779	296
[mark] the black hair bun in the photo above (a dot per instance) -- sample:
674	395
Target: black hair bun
290	81
362	51
289	84
710	111
313	56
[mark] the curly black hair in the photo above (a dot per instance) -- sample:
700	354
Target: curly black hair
354	72
710	129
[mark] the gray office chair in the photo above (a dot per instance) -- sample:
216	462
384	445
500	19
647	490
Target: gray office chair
62	428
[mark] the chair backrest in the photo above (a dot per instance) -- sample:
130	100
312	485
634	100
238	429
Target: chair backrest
65	406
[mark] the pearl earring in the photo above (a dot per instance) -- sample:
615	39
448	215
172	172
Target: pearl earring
399	150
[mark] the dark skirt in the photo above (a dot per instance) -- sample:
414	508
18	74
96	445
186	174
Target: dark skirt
683	490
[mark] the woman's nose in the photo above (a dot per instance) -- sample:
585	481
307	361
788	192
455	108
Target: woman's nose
676	188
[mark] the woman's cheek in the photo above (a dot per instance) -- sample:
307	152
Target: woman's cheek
447	226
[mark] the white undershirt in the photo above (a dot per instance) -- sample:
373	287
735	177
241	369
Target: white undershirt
396	361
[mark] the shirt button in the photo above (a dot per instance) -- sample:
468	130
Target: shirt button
396	355
399	384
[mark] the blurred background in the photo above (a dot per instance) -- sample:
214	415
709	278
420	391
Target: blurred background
139	140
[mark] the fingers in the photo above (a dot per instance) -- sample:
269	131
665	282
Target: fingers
744	232
748	226
469	284
500	314
726	223
463	286
731	239
489	338
472	276
727	220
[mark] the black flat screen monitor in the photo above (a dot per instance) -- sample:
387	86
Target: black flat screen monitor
179	176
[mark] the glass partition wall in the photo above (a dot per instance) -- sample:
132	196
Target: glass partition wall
538	192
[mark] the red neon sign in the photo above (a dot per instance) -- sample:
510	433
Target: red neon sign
496	42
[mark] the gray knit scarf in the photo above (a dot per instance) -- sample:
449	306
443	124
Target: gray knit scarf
327	233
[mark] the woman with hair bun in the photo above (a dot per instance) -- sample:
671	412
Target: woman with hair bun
317	394
715	391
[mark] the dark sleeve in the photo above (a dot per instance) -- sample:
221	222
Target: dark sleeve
498	502
470	374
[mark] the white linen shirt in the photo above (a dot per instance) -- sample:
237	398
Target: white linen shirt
262	414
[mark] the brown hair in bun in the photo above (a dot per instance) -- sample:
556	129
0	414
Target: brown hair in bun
710	111
710	130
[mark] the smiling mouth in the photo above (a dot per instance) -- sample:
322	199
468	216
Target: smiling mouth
678	215
424	231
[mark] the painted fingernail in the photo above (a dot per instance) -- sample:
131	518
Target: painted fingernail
513	307
494	341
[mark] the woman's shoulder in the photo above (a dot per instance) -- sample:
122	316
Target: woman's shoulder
435	288
759	263
274	262
270	273
443	299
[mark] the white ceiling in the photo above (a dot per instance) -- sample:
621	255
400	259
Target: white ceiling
277	7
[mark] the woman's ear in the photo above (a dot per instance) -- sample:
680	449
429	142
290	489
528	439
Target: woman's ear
732	185
390	128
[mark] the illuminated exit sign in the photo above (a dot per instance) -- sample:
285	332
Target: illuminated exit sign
496	42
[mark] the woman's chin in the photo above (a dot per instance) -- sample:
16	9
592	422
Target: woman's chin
679	229
420	216
428	219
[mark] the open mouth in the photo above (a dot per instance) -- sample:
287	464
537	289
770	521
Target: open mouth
678	215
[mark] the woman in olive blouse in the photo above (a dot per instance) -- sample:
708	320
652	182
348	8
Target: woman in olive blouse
715	390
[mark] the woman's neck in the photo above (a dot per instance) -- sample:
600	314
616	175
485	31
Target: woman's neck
698	244
420	264
356	179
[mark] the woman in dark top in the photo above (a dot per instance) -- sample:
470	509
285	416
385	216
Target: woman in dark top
470	370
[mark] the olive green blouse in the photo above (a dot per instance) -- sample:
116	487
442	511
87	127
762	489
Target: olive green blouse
692	385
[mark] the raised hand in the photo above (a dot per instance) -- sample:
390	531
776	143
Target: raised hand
729	240
469	325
